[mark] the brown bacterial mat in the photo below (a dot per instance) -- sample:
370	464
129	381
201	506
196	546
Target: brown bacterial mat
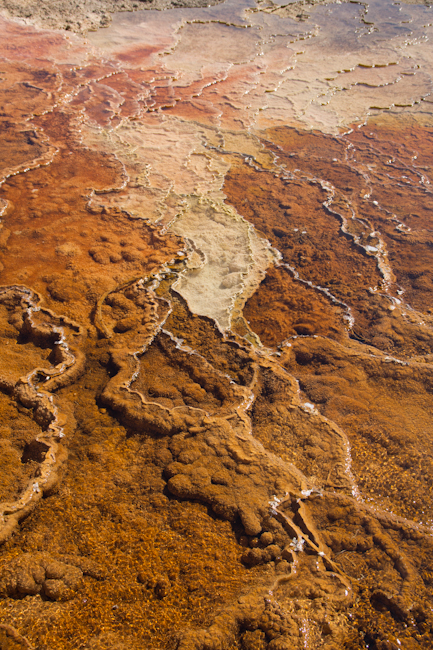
216	328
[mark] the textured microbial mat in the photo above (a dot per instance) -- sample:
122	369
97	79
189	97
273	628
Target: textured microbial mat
216	311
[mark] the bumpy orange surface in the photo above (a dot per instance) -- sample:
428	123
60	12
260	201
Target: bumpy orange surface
167	485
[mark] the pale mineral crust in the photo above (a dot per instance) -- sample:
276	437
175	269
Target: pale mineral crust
81	15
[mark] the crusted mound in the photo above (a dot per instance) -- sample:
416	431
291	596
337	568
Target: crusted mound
81	15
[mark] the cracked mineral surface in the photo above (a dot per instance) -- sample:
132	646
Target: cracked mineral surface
216	309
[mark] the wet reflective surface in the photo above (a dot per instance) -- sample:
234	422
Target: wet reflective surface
216	345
